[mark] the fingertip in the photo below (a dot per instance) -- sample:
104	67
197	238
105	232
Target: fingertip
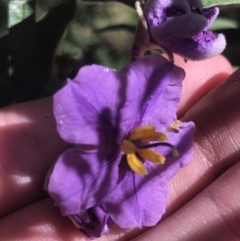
201	77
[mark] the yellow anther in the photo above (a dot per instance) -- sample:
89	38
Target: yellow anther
151	156
153	136
128	147
137	138
174	126
147	133
139	131
136	165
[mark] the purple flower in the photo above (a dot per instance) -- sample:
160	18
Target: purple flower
181	27
123	143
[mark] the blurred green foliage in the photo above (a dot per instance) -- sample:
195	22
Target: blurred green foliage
44	42
18	12
210	3
87	44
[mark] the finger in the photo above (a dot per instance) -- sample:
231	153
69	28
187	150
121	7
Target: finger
29	145
201	77
213	215
42	221
24	165
37	221
216	144
215	148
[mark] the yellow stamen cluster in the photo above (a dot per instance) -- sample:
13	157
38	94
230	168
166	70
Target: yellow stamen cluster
145	133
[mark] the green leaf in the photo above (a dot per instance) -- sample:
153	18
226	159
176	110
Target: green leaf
210	3
223	23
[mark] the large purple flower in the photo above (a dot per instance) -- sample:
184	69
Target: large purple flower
124	136
181	27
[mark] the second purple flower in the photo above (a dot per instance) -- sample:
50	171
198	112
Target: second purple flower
180	27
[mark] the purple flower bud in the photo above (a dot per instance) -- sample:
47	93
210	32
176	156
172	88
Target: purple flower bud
181	27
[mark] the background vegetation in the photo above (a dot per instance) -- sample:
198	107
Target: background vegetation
42	43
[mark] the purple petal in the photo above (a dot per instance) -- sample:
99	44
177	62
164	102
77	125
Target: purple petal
161	9
93	222
161	108
160	85
175	20
184	32
205	45
137	201
80	179
111	111
210	14
173	27
86	106
141	200
182	141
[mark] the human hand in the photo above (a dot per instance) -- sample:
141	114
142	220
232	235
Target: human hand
204	201
30	145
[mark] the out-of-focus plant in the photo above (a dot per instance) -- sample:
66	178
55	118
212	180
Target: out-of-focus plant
44	42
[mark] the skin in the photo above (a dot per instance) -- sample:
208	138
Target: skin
204	201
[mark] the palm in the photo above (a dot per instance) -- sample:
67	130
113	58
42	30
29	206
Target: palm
30	145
